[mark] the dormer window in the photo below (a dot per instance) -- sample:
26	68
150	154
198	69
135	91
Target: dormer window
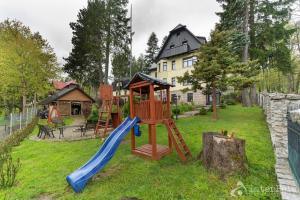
172	46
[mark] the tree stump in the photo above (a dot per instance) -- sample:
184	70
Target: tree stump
224	154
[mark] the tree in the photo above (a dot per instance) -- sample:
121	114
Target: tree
163	41
85	61
28	64
151	51
139	64
116	29
259	32
100	31
235	17
210	72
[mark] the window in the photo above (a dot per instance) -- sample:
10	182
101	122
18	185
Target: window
165	66
173	81
172	46
155	74
158	67
189	62
189	97
173	65
178	33
184	42
185	83
165	79
173	98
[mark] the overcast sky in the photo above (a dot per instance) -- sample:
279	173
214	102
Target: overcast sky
52	17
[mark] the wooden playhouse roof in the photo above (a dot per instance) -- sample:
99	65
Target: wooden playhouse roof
138	77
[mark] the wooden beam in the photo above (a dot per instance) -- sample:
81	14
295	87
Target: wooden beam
132	115
139	84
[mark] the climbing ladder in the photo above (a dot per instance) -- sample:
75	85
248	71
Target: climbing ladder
104	117
178	141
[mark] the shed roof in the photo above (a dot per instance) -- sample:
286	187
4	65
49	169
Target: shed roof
144	77
57	95
59	85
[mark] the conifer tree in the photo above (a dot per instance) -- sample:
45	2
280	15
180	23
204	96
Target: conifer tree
151	51
212	67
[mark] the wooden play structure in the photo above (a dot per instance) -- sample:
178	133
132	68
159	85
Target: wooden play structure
109	112
152	110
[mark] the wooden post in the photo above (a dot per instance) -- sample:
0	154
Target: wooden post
169	116
168	102
132	115
149	134
152	128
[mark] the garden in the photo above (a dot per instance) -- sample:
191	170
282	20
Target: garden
44	165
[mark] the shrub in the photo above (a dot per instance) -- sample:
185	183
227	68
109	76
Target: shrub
8	167
17	137
230	99
231	102
94	114
126	110
223	105
176	111
202	111
210	109
8	170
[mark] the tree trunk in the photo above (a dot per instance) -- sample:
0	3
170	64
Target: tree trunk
246	32
253	95
251	27
290	82
23	103
214	103
224	154
108	42
297	83
107	53
246	102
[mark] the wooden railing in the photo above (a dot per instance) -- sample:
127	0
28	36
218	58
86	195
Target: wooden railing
142	110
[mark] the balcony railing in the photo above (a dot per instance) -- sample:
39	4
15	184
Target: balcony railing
142	110
176	50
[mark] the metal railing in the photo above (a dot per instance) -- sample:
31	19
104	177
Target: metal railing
16	121
294	147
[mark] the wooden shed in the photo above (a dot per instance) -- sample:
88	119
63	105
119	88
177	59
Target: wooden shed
71	100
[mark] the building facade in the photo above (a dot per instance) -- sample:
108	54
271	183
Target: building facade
177	56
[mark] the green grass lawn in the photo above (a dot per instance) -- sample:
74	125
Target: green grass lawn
46	164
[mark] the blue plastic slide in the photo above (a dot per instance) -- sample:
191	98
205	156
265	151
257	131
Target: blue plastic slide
80	177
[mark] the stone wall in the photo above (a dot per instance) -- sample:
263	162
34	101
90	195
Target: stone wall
276	107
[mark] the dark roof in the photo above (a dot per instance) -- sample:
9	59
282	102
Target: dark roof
153	67
176	39
144	77
62	93
202	38
179	26
123	82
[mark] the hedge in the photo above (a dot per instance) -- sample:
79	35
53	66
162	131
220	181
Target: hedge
17	137
9	167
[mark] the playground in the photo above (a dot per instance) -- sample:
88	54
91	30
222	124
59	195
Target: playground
45	165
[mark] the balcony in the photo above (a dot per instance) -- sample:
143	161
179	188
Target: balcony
175	51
